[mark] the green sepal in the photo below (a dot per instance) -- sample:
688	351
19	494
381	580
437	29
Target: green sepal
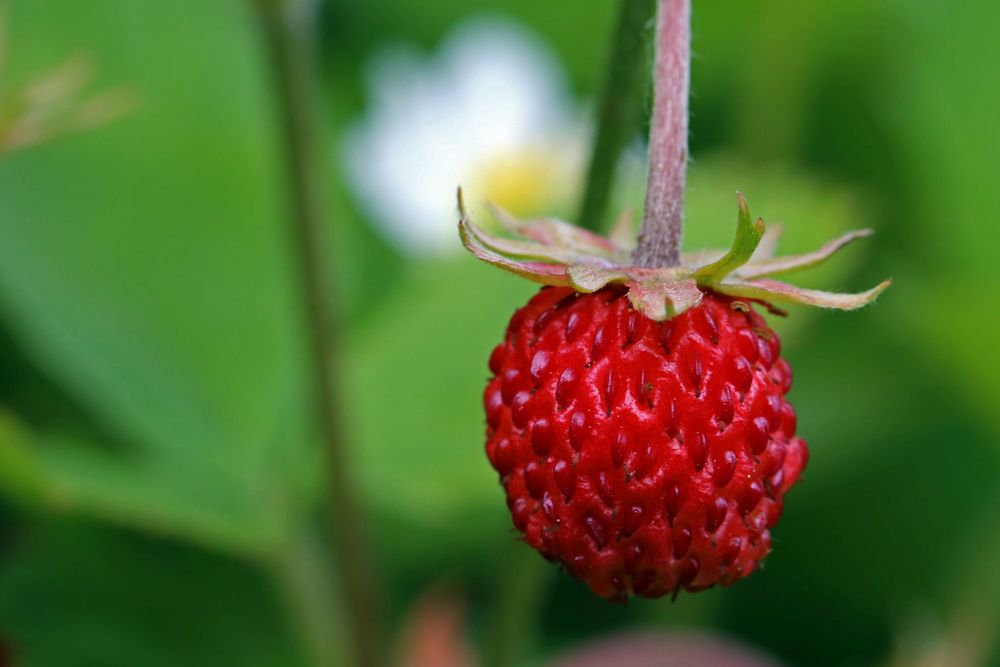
553	252
748	235
539	272
573	241
773	290
779	265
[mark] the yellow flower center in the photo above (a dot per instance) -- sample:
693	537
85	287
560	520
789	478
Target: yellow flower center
524	182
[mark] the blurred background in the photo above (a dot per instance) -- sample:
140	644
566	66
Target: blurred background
161	473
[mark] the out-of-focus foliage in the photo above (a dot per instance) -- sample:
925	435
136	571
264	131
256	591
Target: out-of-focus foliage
157	468
145	269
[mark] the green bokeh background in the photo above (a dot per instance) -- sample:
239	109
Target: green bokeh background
157	466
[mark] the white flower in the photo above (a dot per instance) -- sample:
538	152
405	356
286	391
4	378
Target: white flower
489	111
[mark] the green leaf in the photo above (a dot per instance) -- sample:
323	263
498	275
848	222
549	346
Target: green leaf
78	593
151	278
65	473
20	476
416	373
949	197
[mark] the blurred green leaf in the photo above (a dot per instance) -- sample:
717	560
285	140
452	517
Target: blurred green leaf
944	112
145	267
19	472
416	375
74	593
68	474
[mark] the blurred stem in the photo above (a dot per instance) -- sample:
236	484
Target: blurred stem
660	235
288	27
301	569
620	106
515	616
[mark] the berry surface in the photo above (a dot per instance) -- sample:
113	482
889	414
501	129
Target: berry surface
645	457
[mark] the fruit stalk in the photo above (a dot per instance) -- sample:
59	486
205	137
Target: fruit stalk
660	236
619	108
287	27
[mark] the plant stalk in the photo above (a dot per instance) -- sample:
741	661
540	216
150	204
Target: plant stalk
288	27
301	570
660	235
618	115
521	589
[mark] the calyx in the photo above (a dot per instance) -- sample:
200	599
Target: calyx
553	252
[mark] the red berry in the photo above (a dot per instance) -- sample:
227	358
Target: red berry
644	456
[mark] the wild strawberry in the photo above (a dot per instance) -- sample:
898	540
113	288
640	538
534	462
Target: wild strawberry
645	456
637	416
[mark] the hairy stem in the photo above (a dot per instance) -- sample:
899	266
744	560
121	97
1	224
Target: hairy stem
288	28
619	111
660	236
